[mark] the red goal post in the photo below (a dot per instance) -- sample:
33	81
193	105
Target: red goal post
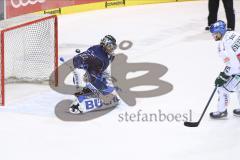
28	50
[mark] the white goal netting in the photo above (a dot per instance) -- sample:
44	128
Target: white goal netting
28	48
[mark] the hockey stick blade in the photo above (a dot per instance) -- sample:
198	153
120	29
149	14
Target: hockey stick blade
191	124
195	124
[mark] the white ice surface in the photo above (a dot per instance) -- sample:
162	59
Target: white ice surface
171	34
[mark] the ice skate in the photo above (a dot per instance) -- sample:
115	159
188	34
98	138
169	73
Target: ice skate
219	115
236	112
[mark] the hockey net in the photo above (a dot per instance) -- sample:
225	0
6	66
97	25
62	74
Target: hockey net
28	50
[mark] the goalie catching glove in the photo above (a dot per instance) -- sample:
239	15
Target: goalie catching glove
221	79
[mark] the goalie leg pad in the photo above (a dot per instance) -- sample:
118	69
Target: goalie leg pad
78	77
94	103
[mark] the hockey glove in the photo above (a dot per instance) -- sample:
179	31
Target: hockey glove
221	79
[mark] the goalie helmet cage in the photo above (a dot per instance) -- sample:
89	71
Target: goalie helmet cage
28	50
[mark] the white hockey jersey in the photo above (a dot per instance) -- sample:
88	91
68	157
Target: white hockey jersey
229	51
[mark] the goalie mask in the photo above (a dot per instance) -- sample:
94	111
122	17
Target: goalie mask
109	44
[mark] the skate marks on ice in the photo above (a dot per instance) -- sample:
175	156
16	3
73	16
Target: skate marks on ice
183	33
61	111
41	103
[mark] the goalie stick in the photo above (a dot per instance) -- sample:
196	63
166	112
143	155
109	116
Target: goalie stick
195	124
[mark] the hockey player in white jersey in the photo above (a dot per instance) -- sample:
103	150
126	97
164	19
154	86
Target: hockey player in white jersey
228	80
